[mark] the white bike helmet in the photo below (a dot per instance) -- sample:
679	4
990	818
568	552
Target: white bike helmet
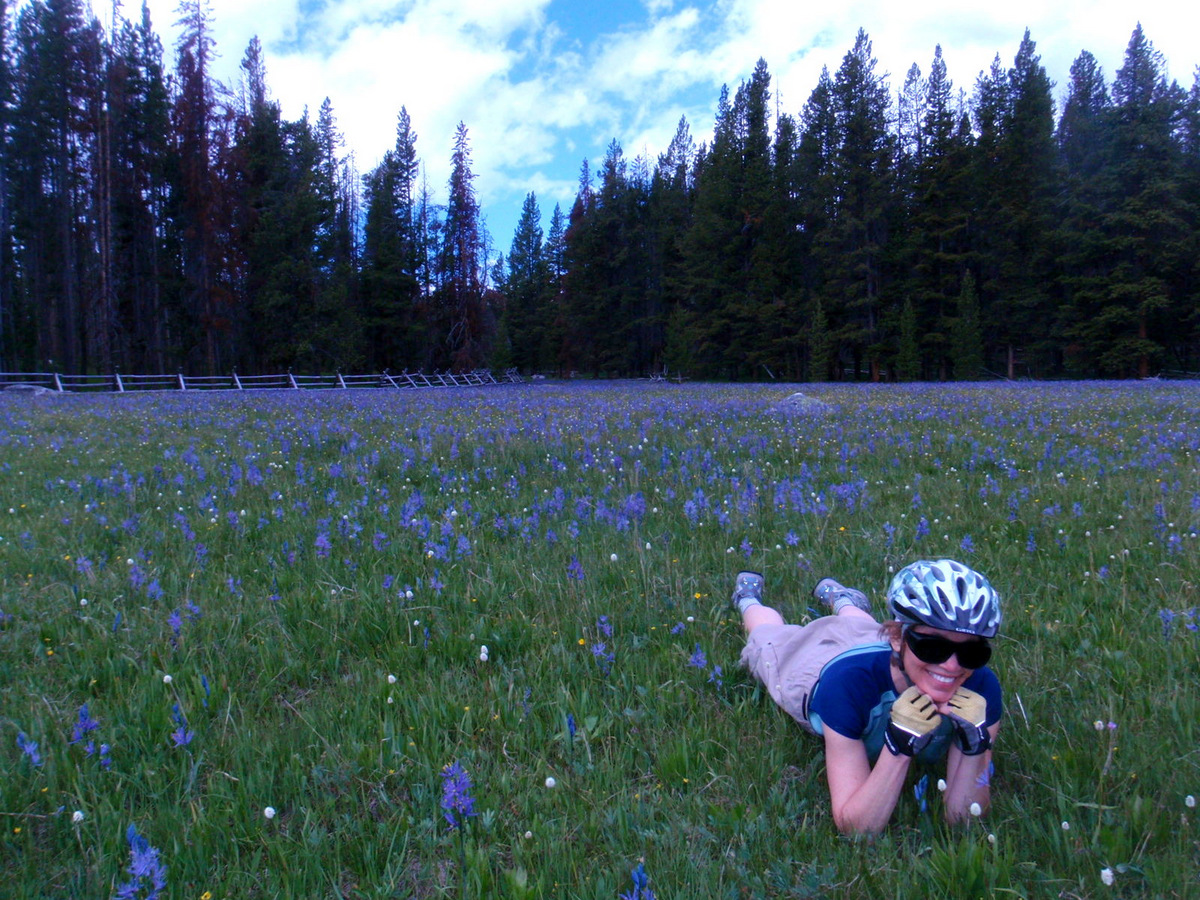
945	594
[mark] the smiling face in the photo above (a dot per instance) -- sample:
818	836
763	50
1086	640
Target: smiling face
938	680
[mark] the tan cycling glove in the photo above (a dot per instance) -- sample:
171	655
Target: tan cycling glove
914	720
968	712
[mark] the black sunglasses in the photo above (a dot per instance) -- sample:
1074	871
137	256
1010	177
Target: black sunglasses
933	648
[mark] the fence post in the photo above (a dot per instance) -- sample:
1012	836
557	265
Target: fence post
182	383
237	382
58	383
292	379
341	381
120	386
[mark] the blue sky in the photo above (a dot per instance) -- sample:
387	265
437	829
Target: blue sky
543	84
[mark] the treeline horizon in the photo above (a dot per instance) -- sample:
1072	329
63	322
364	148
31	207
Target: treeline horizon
161	221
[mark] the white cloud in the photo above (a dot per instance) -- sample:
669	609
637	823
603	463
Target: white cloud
656	60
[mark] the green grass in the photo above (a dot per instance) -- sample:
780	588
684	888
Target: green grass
1080	502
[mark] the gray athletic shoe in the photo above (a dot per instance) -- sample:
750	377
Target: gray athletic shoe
836	596
747	586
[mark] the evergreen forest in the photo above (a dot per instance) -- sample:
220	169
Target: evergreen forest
156	220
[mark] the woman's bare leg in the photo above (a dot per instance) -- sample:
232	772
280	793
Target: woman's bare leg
757	615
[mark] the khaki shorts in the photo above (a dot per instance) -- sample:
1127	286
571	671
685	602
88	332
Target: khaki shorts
788	659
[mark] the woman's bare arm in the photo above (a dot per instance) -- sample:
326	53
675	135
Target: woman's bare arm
863	798
967	781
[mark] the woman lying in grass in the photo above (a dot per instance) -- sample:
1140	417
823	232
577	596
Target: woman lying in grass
882	695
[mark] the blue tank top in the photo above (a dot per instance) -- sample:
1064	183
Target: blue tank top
855	692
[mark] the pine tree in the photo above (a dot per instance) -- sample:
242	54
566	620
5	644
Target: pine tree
1015	180
554	243
1187	356
765	232
336	250
1085	143
525	290
466	325
1082	136
732	277
199	209
677	348
57	87
8	332
910	130
604	250
395	264
780	342
820	343
669	216
863	173
966	334
336	244
711	245
931	250
138	108
12	337
816	201
908	357
641	296
556	321
1128	318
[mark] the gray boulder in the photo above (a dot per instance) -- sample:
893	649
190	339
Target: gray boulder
32	390
798	404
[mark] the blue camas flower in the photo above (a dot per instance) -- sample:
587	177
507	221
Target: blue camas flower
641	886
83	725
29	748
457	803
149	874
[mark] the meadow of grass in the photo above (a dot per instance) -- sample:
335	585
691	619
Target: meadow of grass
241	638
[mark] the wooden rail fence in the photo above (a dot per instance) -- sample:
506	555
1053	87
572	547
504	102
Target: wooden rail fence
120	383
